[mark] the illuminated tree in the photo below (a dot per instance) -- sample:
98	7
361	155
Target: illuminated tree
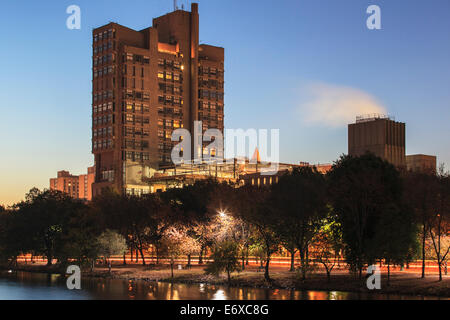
110	243
224	259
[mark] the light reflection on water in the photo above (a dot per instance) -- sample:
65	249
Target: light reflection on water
24	285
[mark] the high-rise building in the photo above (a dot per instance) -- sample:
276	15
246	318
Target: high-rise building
379	135
421	163
146	84
78	187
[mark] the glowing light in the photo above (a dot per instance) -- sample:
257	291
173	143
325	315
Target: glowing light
219	295
222	213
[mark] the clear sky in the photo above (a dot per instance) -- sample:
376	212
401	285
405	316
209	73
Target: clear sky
306	67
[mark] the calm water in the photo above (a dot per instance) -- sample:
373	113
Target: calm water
24	285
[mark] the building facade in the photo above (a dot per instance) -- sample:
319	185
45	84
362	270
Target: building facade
77	186
421	163
379	135
146	84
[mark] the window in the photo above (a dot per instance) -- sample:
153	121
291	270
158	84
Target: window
161	75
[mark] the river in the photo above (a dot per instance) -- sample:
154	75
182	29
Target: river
39	286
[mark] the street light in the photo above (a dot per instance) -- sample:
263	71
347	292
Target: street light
222	213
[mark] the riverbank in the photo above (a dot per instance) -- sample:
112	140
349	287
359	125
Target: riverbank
402	283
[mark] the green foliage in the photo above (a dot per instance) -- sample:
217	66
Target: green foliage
44	218
225	258
111	243
366	195
298	201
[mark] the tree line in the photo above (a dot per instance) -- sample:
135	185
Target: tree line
364	210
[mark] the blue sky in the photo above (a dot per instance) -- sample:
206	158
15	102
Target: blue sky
278	53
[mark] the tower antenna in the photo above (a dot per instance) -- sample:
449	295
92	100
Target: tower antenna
175	5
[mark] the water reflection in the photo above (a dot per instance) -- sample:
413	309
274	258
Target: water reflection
23	285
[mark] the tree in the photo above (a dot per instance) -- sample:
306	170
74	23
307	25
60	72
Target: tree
327	244
298	200
43	217
171	246
421	193
111	243
225	259
440	222
140	220
177	242
361	189
111	212
252	206
195	206
395	236
79	239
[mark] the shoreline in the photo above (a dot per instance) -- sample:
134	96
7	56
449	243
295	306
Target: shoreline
404	284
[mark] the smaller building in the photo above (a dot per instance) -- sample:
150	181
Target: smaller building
380	135
77	186
421	163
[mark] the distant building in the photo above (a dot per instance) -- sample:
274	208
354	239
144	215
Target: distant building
77	186
379	135
421	163
235	171
321	167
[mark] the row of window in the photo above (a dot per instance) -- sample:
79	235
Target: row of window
103	132
173	100
110	57
263	181
210	83
103	144
104	107
133	119
106	119
108	175
99	96
165	63
103	71
170	123
135	144
136	192
132	131
138	95
210	106
165	134
209	117
135	58
135	107
168	76
105	47
107	34
165	146
170	111
135	156
210	94
210	71
170	88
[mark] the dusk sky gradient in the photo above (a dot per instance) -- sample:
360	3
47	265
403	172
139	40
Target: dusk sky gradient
284	62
